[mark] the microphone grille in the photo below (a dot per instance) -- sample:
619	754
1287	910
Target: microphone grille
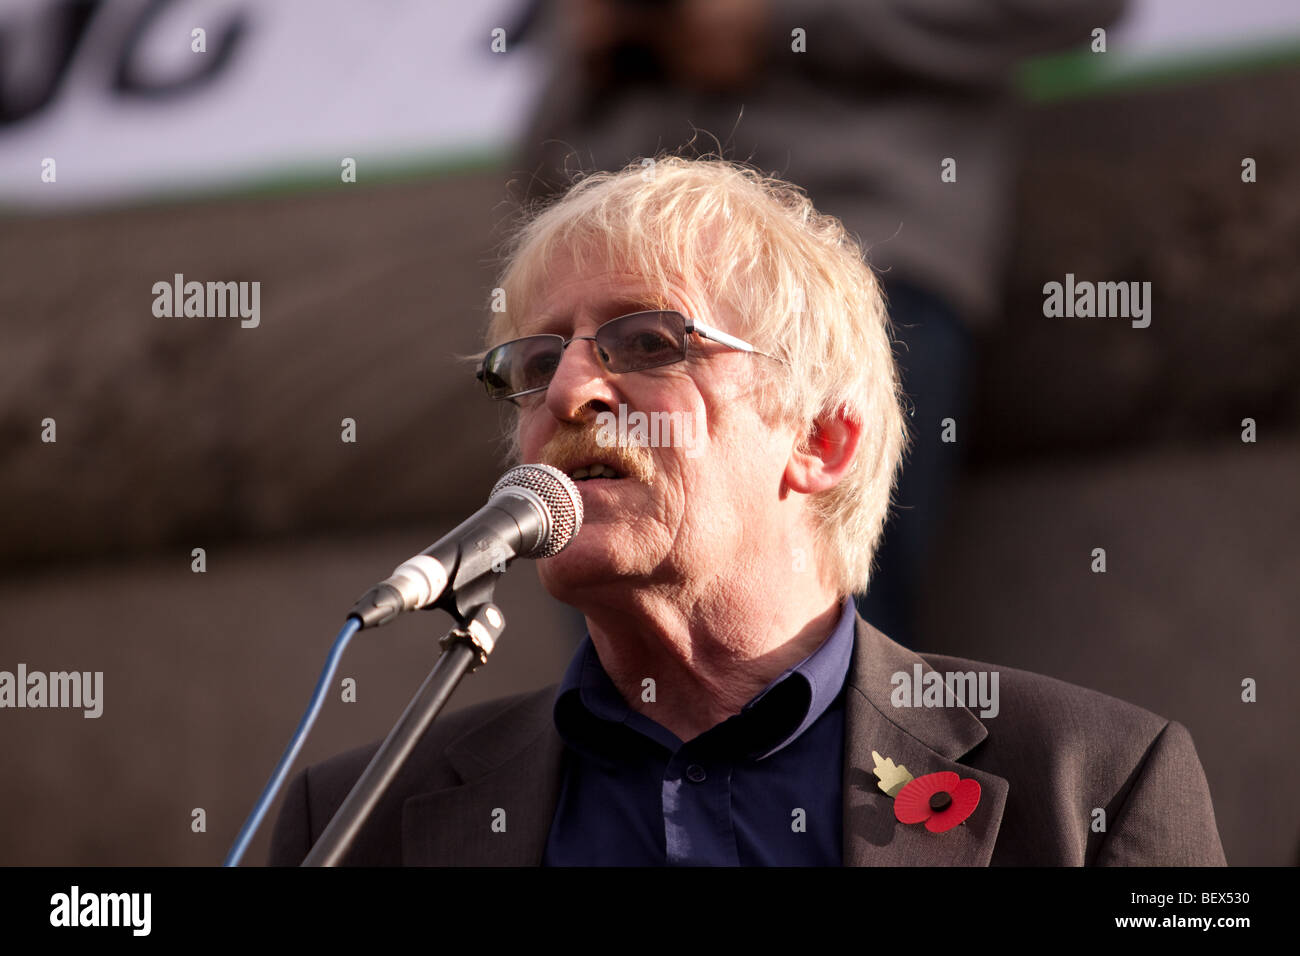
558	493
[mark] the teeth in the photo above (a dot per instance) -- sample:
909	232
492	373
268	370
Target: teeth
593	471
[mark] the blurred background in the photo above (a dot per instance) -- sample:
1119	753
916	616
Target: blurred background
1120	163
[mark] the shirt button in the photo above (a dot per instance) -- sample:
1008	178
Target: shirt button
695	773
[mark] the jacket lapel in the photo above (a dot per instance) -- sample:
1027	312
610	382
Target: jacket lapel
925	740
501	814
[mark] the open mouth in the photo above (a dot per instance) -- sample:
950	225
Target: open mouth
590	472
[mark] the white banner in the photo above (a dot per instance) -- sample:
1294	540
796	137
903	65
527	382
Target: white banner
126	100
283	88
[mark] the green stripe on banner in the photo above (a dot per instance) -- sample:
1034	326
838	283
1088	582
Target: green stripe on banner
299	177
376	172
1083	74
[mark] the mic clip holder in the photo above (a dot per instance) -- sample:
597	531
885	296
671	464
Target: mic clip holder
479	631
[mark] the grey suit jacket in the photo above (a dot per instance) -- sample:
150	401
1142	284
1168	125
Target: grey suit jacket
1054	755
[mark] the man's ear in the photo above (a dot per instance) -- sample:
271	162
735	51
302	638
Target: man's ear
826	453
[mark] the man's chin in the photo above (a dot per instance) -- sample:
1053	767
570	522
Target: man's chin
593	559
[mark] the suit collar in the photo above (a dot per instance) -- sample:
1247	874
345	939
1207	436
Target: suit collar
511	763
925	740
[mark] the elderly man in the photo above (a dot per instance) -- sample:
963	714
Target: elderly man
728	706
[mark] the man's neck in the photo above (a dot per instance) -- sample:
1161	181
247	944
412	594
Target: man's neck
709	656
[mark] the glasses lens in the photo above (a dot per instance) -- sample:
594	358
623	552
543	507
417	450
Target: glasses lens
522	365
642	340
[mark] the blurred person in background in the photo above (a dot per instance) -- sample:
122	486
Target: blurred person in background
894	115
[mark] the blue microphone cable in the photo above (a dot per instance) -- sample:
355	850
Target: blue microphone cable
281	771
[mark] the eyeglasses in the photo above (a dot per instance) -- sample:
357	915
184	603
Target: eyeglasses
629	343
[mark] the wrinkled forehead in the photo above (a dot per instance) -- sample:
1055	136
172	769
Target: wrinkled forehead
555	291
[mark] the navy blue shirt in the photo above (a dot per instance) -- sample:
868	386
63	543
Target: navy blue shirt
760	789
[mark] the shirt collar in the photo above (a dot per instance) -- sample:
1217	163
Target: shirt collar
772	720
823	672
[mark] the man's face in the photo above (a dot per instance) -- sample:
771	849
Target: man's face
700	508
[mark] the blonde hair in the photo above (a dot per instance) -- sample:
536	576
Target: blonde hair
754	244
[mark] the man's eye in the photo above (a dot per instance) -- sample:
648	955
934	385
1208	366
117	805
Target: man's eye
539	365
649	343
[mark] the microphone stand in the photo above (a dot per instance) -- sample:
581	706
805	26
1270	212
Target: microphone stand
465	647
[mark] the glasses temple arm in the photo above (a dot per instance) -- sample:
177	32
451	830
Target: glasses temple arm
719	336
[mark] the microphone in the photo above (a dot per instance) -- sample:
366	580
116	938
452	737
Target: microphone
533	512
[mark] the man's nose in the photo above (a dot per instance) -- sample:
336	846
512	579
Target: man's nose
580	386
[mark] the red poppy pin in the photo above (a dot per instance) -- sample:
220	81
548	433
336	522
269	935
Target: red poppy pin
939	800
